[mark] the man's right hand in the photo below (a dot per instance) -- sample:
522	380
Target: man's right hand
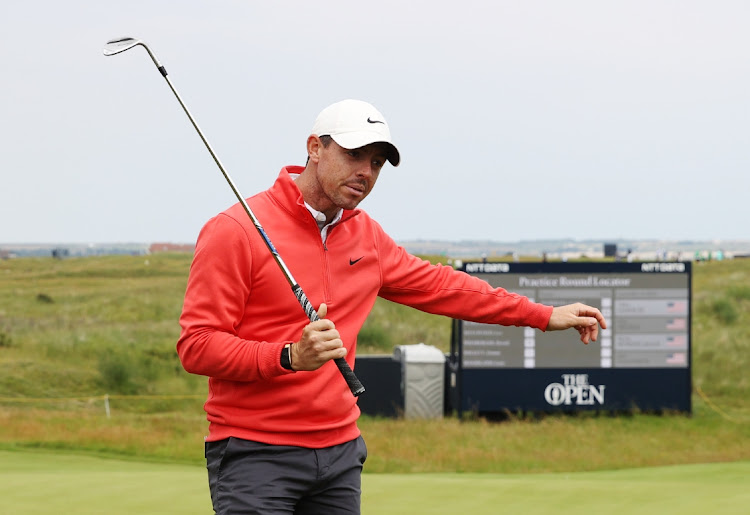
320	342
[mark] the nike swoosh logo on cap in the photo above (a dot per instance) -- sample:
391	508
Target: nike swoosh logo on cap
374	121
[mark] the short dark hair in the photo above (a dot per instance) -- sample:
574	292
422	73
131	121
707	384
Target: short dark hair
325	140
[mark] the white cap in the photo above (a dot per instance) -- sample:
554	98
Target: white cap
354	124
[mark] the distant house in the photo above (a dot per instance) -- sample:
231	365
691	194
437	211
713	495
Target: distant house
171	247
60	253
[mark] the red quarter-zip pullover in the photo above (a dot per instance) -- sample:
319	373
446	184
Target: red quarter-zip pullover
239	312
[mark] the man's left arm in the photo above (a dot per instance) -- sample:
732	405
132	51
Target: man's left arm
444	291
441	290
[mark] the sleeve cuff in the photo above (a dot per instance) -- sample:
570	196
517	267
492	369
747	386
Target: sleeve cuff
270	360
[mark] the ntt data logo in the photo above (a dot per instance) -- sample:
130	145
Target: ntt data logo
487	268
662	267
574	389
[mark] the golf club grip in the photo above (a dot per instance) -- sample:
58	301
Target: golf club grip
355	385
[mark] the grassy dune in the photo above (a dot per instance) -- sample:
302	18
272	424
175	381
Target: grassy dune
72	331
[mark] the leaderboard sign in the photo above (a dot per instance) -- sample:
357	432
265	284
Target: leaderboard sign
641	361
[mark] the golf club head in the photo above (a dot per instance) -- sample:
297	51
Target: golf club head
116	46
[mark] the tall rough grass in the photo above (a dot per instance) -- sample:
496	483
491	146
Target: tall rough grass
721	329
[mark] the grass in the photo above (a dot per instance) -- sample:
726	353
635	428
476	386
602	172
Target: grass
80	484
550	444
721	330
553	444
391	324
74	330
105	324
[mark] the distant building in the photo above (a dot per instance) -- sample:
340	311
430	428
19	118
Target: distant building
171	247
60	253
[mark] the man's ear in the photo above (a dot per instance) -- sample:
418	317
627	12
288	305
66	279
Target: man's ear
314	147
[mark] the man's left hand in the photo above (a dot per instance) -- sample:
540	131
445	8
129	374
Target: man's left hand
585	319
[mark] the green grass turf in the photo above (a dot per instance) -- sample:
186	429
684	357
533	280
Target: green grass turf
34	482
686	489
46	483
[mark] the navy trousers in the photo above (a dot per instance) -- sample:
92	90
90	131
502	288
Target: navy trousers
247	477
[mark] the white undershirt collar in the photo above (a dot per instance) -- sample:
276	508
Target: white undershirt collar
320	217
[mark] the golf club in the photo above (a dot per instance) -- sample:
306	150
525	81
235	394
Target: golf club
120	45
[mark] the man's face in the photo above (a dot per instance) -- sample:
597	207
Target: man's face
345	177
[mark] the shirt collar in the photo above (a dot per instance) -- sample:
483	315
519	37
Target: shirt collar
319	216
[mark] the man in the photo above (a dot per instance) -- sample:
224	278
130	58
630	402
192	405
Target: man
283	434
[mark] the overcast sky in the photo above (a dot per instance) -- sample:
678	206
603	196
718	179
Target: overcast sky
516	120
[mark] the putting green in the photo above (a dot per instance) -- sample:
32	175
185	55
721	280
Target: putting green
41	482
46	482
711	488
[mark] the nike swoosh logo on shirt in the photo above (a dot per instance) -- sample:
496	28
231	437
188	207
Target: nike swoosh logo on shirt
354	261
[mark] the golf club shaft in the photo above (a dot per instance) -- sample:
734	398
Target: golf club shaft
355	385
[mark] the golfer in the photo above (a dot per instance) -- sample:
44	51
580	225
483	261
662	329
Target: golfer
283	434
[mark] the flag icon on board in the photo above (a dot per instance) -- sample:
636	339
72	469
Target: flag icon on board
677	324
678	306
677	358
679	340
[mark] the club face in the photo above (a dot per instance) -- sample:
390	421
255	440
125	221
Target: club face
119	45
